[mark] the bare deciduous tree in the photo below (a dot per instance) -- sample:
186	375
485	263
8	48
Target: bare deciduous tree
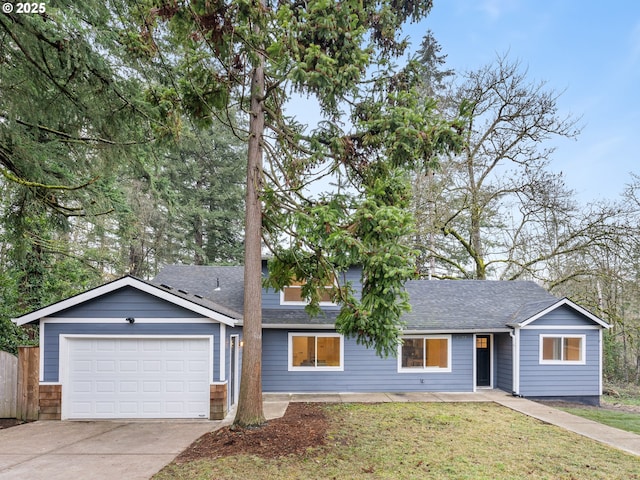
466	207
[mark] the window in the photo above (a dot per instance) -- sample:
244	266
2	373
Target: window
316	351
562	349
292	295
425	354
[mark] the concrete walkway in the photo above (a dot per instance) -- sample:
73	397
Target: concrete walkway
276	404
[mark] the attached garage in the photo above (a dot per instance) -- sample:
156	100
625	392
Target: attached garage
136	377
134	350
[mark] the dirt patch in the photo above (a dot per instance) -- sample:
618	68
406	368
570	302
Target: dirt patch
621	407
9	422
304	425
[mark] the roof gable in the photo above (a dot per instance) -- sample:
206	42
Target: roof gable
531	316
182	299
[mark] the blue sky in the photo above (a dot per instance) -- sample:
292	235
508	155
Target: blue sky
588	49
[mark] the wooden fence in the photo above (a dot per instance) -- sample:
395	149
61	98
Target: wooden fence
8	384
28	405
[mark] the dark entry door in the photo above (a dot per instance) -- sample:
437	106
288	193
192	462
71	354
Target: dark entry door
483	360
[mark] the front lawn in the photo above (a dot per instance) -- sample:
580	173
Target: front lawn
420	441
628	421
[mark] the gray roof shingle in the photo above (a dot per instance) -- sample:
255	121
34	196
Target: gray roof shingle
221	285
436	304
472	304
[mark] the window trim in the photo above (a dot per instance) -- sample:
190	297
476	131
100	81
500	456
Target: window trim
424	369
293	368
583	346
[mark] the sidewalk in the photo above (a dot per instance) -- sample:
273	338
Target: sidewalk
275	404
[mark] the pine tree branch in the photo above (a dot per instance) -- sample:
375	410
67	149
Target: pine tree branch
74	138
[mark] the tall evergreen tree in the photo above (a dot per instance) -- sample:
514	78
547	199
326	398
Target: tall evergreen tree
86	152
337	56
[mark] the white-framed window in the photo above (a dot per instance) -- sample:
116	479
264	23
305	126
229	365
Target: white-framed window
562	349
292	295
316	351
425	354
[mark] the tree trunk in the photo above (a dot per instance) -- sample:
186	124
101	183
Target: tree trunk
475	238
198	241
476	243
250	410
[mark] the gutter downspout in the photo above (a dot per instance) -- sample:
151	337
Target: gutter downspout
600	358
515	339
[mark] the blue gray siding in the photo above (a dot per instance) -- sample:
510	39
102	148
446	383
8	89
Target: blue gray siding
564	316
363	370
504	361
51	343
539	380
127	302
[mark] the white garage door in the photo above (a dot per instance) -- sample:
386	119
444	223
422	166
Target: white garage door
137	378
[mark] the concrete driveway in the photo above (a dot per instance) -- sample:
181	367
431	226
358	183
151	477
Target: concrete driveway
50	450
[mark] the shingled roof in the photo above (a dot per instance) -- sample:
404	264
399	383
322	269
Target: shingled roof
473	304
438	305
222	285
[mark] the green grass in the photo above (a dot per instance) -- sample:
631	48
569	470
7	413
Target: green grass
429	441
624	420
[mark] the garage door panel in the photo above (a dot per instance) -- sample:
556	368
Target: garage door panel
127	366
138	378
175	387
83	366
128	408
152	346
151	366
127	387
174	365
197	387
105	408
197	365
106	387
195	347
82	407
176	346
106	346
108	366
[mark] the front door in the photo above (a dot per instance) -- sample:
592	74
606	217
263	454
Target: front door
483	360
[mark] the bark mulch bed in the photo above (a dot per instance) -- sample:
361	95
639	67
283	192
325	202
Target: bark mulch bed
303	426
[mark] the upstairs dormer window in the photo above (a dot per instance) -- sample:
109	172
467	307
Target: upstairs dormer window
292	295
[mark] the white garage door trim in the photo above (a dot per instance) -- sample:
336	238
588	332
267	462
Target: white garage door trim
199	407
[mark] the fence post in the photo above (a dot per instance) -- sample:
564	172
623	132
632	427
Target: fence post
28	383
